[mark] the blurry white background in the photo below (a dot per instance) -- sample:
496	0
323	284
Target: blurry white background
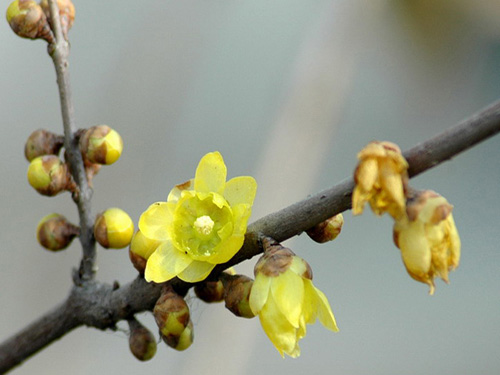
288	91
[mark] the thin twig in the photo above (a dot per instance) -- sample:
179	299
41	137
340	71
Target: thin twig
59	51
102	306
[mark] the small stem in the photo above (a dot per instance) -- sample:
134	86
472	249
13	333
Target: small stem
59	51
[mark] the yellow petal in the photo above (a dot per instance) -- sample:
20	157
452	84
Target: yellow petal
259	293
166	263
241	214
279	330
288	292
366	174
154	222
240	190
196	271
211	174
325	313
226	250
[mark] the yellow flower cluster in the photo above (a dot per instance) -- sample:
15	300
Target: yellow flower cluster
424	229
285	299
202	223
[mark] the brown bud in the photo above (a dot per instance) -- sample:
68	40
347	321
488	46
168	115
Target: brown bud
100	144
210	291
66	13
27	19
327	230
180	341
236	295
42	142
141	341
55	233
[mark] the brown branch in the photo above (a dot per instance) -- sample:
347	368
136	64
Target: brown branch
59	51
102	306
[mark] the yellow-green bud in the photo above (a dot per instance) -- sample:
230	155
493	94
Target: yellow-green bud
171	313
66	13
236	295
100	144
141	341
49	176
327	230
55	233
27	19
140	249
113	228
42	142
180	342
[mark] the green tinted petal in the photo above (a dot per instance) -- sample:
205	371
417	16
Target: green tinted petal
154	222
196	271
288	291
240	190
226	250
166	263
211	174
279	330
259	293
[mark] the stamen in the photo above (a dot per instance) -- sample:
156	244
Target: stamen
204	225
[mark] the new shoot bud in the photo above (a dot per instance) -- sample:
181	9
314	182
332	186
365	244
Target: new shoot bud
327	230
141	341
236	295
55	233
113	228
42	142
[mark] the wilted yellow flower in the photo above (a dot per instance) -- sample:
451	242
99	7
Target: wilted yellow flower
381	178
428	238
285	298
202	224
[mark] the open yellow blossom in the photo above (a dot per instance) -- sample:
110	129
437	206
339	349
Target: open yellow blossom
285	299
381	179
428	238
202	224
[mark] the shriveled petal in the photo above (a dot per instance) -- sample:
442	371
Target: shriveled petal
288	292
211	174
227	250
366	174
166	263
175	193
154	222
392	184
279	330
240	190
196	271
454	245
259	293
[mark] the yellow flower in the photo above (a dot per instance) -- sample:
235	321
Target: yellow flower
202	224
285	299
428	238
381	179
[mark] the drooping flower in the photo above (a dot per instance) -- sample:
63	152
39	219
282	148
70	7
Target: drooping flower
381	178
428	238
202	224
285	299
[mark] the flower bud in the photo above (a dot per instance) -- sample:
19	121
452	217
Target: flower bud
141	341
42	142
210	291
101	144
141	247
27	19
180	342
55	233
66	13
171	313
236	295
113	228
327	230
49	175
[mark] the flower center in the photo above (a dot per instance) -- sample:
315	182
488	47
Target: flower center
204	225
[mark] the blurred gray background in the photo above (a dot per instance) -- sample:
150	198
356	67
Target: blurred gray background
288	91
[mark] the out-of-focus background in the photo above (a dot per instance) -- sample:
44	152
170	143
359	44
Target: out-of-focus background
288	91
